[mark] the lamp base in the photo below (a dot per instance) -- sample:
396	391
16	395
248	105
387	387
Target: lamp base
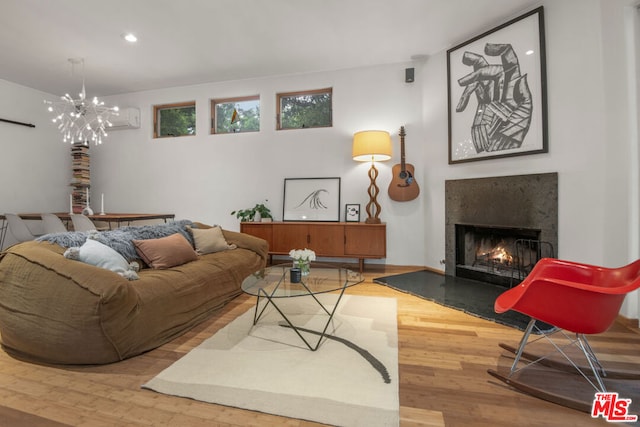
373	207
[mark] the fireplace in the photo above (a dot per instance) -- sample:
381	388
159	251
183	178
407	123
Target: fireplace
498	227
498	255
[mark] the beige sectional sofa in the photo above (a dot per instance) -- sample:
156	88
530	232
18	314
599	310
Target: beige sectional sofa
59	310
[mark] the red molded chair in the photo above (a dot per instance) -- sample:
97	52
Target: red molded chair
579	298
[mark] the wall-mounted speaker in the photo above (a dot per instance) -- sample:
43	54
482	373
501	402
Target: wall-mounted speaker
409	75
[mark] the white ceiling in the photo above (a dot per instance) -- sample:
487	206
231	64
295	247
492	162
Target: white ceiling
183	42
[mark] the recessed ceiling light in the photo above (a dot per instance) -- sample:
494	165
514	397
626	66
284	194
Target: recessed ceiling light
529	52
130	37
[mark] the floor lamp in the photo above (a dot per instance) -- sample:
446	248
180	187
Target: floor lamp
372	145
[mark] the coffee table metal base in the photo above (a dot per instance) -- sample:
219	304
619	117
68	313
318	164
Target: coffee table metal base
271	300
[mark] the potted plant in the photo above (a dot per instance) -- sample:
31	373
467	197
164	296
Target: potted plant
257	213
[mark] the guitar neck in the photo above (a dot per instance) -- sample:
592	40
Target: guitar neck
402	135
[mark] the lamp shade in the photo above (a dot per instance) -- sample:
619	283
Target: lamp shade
371	145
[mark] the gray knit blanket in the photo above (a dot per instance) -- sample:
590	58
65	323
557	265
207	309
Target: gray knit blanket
121	239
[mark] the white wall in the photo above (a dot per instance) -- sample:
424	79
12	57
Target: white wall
34	162
589	138
575	135
205	177
628	92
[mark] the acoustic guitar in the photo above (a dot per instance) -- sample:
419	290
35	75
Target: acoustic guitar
403	187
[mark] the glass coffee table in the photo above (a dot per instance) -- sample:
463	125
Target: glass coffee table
274	283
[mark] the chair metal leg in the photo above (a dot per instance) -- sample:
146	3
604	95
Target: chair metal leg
579	341
593	361
593	355
523	343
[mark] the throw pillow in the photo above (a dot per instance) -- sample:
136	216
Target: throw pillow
165	252
209	240
95	253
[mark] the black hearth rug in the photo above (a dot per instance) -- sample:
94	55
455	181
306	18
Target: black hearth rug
471	296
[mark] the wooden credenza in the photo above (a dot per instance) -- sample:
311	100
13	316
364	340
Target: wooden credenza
328	239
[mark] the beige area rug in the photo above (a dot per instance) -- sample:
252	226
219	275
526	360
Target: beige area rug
351	380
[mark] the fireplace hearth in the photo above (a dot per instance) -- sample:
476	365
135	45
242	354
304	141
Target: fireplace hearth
498	227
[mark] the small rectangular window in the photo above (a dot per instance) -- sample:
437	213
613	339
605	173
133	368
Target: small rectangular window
234	115
305	109
174	119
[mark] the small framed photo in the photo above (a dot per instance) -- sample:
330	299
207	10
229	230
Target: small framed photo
311	199
352	213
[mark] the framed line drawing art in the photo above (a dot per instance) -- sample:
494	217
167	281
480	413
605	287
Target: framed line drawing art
311	199
352	213
497	92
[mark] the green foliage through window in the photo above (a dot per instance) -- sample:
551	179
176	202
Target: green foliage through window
175	120
307	109
233	115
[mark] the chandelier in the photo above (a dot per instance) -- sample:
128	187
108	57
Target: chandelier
80	120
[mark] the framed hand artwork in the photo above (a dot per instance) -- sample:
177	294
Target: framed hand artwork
497	92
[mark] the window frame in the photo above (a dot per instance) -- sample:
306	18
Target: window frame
175	105
279	96
213	116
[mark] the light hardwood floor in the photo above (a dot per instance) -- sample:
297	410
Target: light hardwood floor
443	354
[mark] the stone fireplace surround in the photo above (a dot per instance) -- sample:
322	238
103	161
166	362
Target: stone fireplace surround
524	201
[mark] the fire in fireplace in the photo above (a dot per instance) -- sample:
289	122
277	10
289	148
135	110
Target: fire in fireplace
499	255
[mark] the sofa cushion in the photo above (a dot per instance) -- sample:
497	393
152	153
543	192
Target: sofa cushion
165	252
209	240
98	254
121	239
